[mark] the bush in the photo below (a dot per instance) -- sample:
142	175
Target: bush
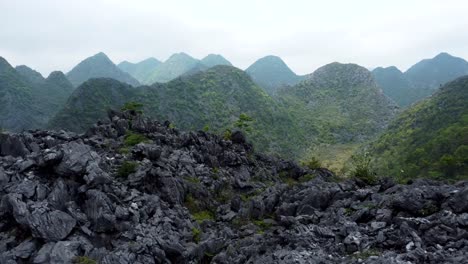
203	216
362	169
196	233
127	168
313	163
84	260
227	135
131	139
133	106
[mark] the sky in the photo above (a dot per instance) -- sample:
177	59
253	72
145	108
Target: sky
52	35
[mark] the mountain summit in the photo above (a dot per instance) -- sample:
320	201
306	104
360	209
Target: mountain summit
141	70
98	66
214	60
271	73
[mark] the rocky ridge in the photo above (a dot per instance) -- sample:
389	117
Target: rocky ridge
134	190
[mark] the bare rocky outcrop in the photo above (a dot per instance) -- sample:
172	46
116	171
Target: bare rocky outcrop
194	197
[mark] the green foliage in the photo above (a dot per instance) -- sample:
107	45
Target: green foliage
132	139
133	106
307	177
312	163
366	254
172	126
84	260
196	234
429	139
193	180
262	225
203	216
244	122
227	135
206	128
127	168
362	169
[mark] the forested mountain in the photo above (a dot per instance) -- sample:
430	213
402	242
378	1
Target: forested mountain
212	60
396	86
172	68
430	139
271	73
339	103
141	70
421	80
27	100
213	99
98	66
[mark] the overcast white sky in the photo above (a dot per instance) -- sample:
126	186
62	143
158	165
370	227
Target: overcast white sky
57	34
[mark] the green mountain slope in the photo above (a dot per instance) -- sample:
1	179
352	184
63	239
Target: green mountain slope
339	103
98	66
141	70
271	73
214	98
396	86
215	59
17	111
421	80
172	68
430	139
27	99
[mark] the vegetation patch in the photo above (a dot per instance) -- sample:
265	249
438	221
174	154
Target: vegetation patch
203	216
84	260
127	168
132	139
196	234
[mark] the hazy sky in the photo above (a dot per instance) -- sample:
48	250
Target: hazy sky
57	34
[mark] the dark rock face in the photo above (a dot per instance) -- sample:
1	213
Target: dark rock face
194	197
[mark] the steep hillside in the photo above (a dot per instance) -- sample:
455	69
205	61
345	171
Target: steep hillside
98	66
172	68
28	100
339	103
211	99
29	74
430	139
17	108
214	60
271	73
421	80
396	86
141	70
432	73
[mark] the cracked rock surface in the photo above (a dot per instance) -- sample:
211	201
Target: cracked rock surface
194	197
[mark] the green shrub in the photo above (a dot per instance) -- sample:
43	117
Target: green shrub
127	168
361	168
84	260
244	122
132	139
196	233
227	135
312	163
307	177
206	128
262	225
132	106
203	216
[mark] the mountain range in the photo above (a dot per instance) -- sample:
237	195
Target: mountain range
27	100
272	73
316	110
421	79
96	66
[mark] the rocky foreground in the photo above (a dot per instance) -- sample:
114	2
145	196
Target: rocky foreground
137	191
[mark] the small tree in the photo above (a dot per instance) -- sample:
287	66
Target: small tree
244	122
362	169
133	106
